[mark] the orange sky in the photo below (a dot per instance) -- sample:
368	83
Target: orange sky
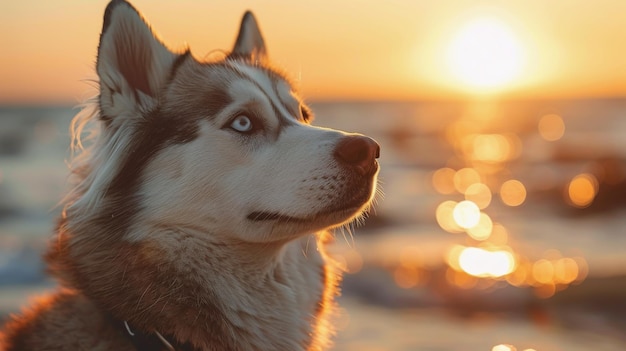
335	49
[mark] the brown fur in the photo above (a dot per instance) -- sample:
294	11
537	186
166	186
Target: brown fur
148	298
63	321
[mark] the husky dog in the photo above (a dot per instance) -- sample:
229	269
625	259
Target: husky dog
199	213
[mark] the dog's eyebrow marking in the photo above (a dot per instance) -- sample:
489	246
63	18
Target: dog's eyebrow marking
286	105
216	100
193	95
282	113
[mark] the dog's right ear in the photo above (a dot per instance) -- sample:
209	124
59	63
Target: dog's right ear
133	65
250	44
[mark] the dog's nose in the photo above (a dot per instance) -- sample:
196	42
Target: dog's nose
359	152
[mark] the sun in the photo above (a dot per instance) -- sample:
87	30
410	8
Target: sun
485	54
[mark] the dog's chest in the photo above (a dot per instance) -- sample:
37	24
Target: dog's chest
282	313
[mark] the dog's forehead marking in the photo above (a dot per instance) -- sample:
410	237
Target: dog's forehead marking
275	89
196	92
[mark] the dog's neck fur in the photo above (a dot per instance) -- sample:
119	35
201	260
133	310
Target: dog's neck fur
259	304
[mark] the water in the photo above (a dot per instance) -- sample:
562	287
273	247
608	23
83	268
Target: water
404	290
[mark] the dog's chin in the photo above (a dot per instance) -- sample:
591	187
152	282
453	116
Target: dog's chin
332	215
301	224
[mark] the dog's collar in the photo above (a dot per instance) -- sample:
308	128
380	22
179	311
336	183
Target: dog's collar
150	341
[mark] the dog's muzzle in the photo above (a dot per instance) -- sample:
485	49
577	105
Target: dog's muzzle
357	155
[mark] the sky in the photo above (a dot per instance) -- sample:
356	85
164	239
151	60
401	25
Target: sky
343	50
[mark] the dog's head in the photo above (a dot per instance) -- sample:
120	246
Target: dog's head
225	147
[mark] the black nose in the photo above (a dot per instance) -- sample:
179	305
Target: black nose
359	152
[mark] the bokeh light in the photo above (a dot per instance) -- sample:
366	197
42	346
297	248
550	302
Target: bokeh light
480	194
481	167
350	261
582	190
503	347
466	214
482	230
465	177
520	276
499	234
453	256
443	180
479	266
583	268
543	271
406	276
491	148
445	218
513	193
551	127
565	271
485	263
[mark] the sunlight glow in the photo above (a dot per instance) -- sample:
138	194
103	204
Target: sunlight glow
491	148
484	263
485	54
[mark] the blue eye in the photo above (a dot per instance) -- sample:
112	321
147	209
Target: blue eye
242	124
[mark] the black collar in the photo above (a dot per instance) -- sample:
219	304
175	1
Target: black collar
150	341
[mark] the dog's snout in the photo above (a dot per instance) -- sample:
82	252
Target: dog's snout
359	152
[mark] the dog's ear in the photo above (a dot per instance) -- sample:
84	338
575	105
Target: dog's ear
133	65
250	44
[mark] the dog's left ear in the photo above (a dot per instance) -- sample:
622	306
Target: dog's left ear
250	44
133	65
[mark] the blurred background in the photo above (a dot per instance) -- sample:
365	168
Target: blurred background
503	134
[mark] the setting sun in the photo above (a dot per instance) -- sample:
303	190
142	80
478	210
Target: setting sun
485	54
